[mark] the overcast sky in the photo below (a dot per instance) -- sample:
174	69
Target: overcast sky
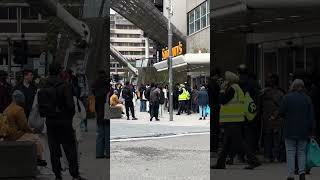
112	11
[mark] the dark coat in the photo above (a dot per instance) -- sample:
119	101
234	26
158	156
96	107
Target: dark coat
203	97
298	115
29	93
5	96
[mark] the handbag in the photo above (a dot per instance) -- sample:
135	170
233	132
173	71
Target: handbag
208	110
35	120
313	154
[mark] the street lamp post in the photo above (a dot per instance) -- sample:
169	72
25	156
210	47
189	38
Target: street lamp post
170	12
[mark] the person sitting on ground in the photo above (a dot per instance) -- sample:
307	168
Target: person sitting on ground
19	128
115	102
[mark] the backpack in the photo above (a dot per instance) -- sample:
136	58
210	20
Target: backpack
250	106
147	94
161	99
48	101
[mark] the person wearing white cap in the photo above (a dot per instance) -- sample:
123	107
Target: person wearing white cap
232	119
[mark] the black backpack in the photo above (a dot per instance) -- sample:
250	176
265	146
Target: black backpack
48	101
147	94
161	98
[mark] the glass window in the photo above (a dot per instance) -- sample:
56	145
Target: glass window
4	12
204	22
198	18
204	9
197	13
197	28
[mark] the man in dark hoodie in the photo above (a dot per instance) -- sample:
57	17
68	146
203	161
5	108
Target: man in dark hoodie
59	126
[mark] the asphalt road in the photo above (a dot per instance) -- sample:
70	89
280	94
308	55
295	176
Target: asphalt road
179	158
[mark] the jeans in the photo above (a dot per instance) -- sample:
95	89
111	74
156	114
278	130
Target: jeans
143	106
102	141
202	111
271	144
294	147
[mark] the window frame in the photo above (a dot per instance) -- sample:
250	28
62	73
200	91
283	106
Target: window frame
192	23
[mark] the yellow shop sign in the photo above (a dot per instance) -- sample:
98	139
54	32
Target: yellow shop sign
176	51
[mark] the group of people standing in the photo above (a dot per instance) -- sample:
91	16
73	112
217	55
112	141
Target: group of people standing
283	124
54	108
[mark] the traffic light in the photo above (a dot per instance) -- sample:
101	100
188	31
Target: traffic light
20	52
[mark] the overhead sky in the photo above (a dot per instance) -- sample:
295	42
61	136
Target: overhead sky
112	11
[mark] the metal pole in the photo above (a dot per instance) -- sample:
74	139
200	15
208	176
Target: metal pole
170	62
9	57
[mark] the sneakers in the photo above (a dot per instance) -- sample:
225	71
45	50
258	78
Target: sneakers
128	119
200	118
253	165
302	177
134	118
42	163
157	119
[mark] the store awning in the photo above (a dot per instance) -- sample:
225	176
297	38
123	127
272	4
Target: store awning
265	15
187	62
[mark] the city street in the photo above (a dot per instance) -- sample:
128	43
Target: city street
122	128
178	158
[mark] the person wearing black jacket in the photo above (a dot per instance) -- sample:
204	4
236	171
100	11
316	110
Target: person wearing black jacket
5	91
127	95
29	90
59	128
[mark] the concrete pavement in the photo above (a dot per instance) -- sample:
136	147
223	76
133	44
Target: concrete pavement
122	128
180	158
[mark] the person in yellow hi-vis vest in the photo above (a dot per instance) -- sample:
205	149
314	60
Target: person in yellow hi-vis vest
184	97
232	116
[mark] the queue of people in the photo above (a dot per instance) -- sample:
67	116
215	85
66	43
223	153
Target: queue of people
154	99
277	122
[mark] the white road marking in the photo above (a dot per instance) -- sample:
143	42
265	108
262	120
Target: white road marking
161	137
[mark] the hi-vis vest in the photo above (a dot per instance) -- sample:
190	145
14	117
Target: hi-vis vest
185	95
234	110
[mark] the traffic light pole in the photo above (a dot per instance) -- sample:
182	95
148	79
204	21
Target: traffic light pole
170	61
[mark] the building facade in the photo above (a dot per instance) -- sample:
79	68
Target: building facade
20	22
130	42
192	18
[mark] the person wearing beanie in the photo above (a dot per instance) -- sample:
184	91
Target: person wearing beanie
298	117
18	125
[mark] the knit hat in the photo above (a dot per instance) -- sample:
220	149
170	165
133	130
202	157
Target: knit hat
18	96
231	77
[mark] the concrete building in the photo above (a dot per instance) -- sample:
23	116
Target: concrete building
192	17
18	19
130	42
282	37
